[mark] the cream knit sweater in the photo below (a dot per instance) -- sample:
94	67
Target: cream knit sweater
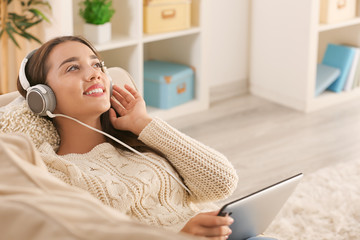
143	189
130	183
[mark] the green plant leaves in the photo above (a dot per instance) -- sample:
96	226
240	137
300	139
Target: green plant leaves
96	11
18	24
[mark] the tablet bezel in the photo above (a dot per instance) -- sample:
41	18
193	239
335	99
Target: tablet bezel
236	204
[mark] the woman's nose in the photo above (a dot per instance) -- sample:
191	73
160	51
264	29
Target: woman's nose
91	74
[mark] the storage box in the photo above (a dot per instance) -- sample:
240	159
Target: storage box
166	15
333	11
167	84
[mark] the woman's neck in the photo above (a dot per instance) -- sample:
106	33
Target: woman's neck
76	138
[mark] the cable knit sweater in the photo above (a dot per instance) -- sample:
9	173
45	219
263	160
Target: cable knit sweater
143	189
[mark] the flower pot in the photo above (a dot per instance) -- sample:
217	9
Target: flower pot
97	33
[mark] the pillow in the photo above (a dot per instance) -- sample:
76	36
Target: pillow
16	117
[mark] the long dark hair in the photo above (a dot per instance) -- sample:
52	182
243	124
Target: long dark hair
37	69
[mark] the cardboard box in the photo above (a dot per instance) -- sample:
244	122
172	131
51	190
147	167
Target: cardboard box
334	11
167	84
166	15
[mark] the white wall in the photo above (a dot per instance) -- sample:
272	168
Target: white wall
226	41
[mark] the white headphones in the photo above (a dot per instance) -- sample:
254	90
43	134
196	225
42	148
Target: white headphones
41	98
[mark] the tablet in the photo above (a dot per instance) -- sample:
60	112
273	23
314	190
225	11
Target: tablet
252	214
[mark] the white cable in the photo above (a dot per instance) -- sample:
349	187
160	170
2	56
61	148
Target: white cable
52	115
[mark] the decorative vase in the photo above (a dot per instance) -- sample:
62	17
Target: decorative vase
97	33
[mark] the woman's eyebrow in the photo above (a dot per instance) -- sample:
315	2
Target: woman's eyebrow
71	59
93	56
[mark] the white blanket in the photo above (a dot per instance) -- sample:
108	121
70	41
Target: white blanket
325	205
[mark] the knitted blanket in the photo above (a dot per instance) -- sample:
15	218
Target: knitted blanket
325	205
16	117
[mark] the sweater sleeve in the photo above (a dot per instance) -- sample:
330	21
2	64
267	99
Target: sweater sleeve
207	173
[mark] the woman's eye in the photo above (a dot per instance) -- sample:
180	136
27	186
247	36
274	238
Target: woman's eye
97	65
72	68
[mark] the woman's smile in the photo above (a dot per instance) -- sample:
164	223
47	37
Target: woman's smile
95	90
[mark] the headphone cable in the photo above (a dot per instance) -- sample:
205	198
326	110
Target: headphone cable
52	115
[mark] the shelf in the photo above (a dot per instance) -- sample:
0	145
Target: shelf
283	65
156	37
328	27
129	47
181	110
331	98
116	42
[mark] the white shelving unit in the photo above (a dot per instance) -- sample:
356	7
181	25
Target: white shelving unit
130	47
287	43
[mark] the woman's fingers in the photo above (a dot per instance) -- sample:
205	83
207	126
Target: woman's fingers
122	96
210	219
120	99
216	226
129	95
132	91
209	225
118	107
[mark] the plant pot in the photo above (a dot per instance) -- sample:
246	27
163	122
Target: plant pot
97	33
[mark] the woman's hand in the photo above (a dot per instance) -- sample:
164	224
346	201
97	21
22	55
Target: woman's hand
209	225
132	110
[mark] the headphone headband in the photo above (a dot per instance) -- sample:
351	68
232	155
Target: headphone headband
22	76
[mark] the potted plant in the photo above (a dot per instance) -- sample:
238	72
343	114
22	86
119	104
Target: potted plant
97	15
14	24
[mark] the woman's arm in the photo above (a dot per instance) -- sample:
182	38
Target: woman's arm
206	172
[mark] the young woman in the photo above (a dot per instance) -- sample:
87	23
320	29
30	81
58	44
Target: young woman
146	188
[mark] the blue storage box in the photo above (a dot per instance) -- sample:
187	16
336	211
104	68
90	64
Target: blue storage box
167	84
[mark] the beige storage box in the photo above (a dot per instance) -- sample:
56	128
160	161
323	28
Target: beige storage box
334	11
166	15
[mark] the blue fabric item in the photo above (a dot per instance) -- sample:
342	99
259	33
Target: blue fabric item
167	84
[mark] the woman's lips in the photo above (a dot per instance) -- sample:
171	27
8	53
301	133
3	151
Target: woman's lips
95	90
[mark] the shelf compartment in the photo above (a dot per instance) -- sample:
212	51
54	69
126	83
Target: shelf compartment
163	36
181	110
181	50
125	24
184	50
328	98
348	36
348	23
116	42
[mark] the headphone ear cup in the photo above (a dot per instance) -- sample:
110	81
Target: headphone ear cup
41	98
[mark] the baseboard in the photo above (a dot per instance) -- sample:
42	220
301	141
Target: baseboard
228	90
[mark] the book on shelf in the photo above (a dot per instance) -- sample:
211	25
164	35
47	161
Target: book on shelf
356	82
354	65
339	56
325	76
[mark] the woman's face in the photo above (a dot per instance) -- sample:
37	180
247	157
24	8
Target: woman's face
82	90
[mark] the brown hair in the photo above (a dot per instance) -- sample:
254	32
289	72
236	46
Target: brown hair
37	69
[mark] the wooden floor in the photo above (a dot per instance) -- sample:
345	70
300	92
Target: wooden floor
267	142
